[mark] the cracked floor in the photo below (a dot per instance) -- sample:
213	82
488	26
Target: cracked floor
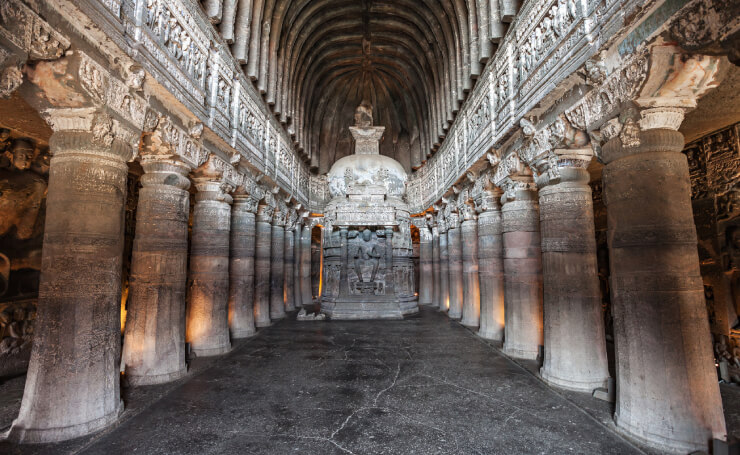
420	386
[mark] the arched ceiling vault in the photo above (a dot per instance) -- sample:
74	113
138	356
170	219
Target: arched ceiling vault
315	61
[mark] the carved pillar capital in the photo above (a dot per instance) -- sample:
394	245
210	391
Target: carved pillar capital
208	180
563	165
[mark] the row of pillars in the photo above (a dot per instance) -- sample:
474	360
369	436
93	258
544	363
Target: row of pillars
242	271
526	274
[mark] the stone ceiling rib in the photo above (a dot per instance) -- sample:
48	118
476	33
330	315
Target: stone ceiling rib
416	59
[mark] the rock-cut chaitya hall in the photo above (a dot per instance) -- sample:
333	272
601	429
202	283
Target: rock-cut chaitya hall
370	226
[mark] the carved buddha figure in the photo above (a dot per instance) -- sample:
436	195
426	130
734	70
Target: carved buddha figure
367	255
21	192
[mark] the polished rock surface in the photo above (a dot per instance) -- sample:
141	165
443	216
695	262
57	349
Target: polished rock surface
424	385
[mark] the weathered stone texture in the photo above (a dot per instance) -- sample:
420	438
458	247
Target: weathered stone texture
575	349
491	275
241	267
444	271
277	268
522	276
288	270
207	316
154	343
668	395
262	256
454	248
72	388
426	269
471	283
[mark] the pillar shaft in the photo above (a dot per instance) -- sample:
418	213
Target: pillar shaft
288	271
297	252
454	246
444	272
207	328
277	267
667	393
154	343
522	276
575	343
72	385
491	273
306	294
241	267
262	254
436	275
471	284
426	277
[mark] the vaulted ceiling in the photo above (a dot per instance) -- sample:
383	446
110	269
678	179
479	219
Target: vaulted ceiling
315	61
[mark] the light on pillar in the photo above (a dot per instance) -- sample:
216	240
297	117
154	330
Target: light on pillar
207	328
522	266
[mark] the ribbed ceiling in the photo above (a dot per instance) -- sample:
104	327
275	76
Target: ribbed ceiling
315	61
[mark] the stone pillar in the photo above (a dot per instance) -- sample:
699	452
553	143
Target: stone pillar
522	269
390	284
667	394
306	294
154	343
262	255
207	328
454	246
288	266
72	385
297	300
575	343
471	284
436	268
277	267
241	266
426	276
344	258
444	266
491	268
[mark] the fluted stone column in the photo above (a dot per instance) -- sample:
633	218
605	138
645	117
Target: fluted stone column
207	328
241	266
471	284
436	274
288	267
491	268
262	255
444	266
72	385
575	343
277	266
154	342
454	246
426	276
522	270
306	294
667	394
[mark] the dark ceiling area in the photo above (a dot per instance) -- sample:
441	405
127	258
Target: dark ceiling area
315	61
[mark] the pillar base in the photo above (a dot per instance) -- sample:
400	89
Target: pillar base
210	352
521	353
22	435
454	316
260	324
665	445
155	379
244	333
491	335
569	384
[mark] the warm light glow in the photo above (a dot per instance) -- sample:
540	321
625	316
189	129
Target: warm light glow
124	297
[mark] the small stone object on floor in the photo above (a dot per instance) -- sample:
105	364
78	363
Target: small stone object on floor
607	393
729	447
303	316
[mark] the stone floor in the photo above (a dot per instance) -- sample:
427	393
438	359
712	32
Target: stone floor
420	386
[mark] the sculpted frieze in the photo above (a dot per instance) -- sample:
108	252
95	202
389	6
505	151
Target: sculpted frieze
23	27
